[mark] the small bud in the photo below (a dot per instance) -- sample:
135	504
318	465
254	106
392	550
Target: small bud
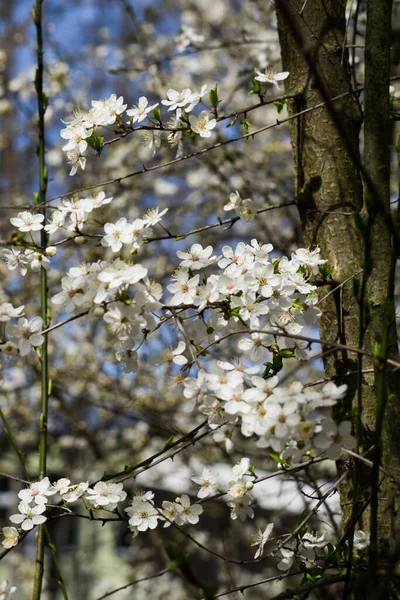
80	239
99	311
50	251
249	485
178	500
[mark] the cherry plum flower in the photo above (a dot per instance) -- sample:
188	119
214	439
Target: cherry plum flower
26	334
185	288
140	111
270	75
190	512
333	437
117	234
29	516
37	492
7	311
11	537
261	538
105	494
6	590
177	99
208	481
202	125
26	221
197	257
171	356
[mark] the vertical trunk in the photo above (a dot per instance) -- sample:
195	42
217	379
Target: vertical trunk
382	327
327	181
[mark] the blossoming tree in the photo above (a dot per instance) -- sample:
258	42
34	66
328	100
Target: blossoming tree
182	347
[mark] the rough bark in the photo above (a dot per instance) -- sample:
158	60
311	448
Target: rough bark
327	181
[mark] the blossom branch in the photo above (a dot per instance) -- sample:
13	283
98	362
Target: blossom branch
175	161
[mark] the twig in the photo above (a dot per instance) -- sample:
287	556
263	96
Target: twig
124	587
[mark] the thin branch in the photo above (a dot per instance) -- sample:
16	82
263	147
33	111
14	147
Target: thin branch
295	337
304	590
242	588
124	587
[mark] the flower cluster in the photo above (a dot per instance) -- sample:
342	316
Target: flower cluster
143	514
252	291
284	419
18	260
134	234
81	127
34	502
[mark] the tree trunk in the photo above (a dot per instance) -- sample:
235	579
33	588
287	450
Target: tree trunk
356	240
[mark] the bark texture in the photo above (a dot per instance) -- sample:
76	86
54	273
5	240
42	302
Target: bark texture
325	146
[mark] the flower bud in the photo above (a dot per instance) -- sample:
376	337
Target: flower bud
80	239
50	251
249	485
99	311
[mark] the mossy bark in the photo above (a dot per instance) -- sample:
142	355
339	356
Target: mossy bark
328	184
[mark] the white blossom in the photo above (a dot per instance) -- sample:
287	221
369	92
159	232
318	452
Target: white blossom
270	75
202	124
184	289
105	494
140	111
26	334
6	590
26	221
11	538
37	492
361	540
261	538
208	481
29	516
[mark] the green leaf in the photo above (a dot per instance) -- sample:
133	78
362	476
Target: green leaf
256	88
276	265
169	442
95	142
325	270
214	97
157	114
246	125
276	458
280	105
296	304
287	353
